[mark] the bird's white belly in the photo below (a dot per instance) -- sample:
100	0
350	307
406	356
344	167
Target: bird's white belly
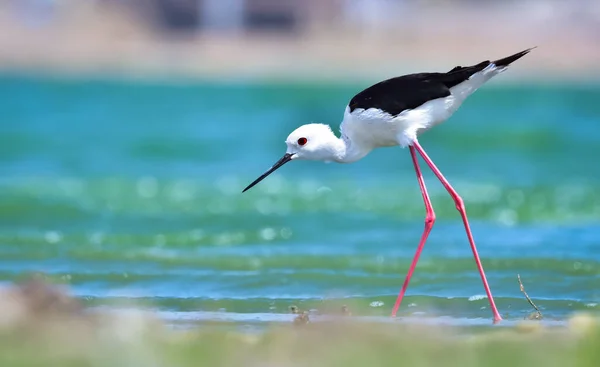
375	128
372	131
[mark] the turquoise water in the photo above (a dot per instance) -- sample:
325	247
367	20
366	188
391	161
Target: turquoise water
131	194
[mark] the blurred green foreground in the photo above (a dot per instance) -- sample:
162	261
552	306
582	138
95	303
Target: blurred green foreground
41	325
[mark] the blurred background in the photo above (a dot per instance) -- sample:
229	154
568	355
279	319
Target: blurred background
130	127
292	38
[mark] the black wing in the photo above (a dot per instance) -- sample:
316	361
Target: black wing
411	91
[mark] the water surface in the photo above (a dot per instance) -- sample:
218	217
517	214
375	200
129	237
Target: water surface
131	194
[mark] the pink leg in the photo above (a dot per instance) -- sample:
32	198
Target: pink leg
461	208
429	220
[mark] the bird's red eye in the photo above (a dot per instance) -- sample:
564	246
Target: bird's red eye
302	141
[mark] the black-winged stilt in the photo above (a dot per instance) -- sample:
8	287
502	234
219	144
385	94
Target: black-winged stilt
394	112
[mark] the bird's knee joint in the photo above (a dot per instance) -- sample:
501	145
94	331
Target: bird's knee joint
430	219
460	204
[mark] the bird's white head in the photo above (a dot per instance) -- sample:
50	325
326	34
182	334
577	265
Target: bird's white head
310	142
314	142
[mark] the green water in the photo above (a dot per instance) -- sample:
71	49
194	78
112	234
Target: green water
131	192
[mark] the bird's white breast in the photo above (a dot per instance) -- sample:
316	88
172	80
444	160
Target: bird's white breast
376	128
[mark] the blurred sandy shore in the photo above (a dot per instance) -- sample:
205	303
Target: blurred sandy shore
97	41
41	324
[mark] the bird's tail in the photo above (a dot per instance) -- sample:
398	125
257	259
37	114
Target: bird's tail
483	72
501	63
496	67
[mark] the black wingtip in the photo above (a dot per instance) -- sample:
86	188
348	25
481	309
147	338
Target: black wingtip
510	59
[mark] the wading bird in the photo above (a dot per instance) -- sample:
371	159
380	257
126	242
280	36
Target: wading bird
395	112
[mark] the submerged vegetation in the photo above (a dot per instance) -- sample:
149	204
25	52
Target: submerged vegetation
41	325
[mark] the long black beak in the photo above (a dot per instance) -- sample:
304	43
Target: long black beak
286	158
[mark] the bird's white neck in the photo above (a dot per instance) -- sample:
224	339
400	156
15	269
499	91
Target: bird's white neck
348	151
